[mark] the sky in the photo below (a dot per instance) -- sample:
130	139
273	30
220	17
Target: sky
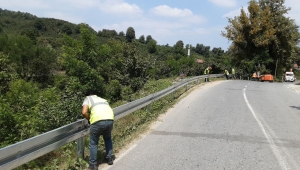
167	21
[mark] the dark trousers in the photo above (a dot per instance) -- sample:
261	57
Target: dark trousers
104	128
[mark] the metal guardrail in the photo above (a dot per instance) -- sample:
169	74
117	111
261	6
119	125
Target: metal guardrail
22	152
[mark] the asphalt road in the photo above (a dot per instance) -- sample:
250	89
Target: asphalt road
228	125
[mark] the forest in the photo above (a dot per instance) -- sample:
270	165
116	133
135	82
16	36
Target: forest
47	65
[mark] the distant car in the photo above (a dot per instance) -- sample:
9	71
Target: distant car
289	76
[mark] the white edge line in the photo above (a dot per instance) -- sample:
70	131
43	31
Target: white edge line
274	148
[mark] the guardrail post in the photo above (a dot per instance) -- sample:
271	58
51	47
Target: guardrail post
80	147
149	107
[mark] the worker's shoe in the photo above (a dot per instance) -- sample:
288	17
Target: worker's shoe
93	167
110	159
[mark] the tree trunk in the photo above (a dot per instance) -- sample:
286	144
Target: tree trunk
276	67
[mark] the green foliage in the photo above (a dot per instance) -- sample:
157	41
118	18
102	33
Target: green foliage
114	90
265	37
79	60
178	49
148	38
107	33
130	34
142	39
39	24
126	93
67	29
202	50
7	122
7	73
23	96
121	34
151	46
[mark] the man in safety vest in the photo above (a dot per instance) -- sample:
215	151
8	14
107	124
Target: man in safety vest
226	72
101	117
233	73
207	71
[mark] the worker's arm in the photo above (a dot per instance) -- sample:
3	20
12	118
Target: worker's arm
85	112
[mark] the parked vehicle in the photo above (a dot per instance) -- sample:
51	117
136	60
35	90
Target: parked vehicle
289	76
267	77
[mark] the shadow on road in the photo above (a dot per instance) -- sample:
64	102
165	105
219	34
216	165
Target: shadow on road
295	107
233	138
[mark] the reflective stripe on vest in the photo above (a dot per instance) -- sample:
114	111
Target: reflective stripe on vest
93	104
99	109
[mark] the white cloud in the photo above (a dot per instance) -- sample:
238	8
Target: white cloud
164	10
64	16
185	16
82	3
224	3
234	13
17	4
120	8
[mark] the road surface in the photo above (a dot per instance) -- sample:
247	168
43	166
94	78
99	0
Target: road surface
223	125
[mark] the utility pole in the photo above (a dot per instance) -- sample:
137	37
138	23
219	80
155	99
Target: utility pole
189	50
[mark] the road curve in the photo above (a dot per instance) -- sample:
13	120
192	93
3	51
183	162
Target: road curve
224	125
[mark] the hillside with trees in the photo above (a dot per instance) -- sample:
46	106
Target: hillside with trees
47	65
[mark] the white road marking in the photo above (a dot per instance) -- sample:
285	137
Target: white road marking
122	155
282	161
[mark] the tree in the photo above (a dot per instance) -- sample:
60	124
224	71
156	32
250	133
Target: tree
130	34
39	24
43	63
142	39
79	58
22	54
202	50
6	73
67	29
264	37
148	38
121	34
178	47
151	46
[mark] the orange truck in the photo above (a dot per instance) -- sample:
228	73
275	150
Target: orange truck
267	77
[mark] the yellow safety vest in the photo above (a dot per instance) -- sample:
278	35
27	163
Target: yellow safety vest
99	109
206	71
226	72
233	71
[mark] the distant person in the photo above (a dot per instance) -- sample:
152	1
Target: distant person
233	73
226	72
258	73
101	117
207	72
